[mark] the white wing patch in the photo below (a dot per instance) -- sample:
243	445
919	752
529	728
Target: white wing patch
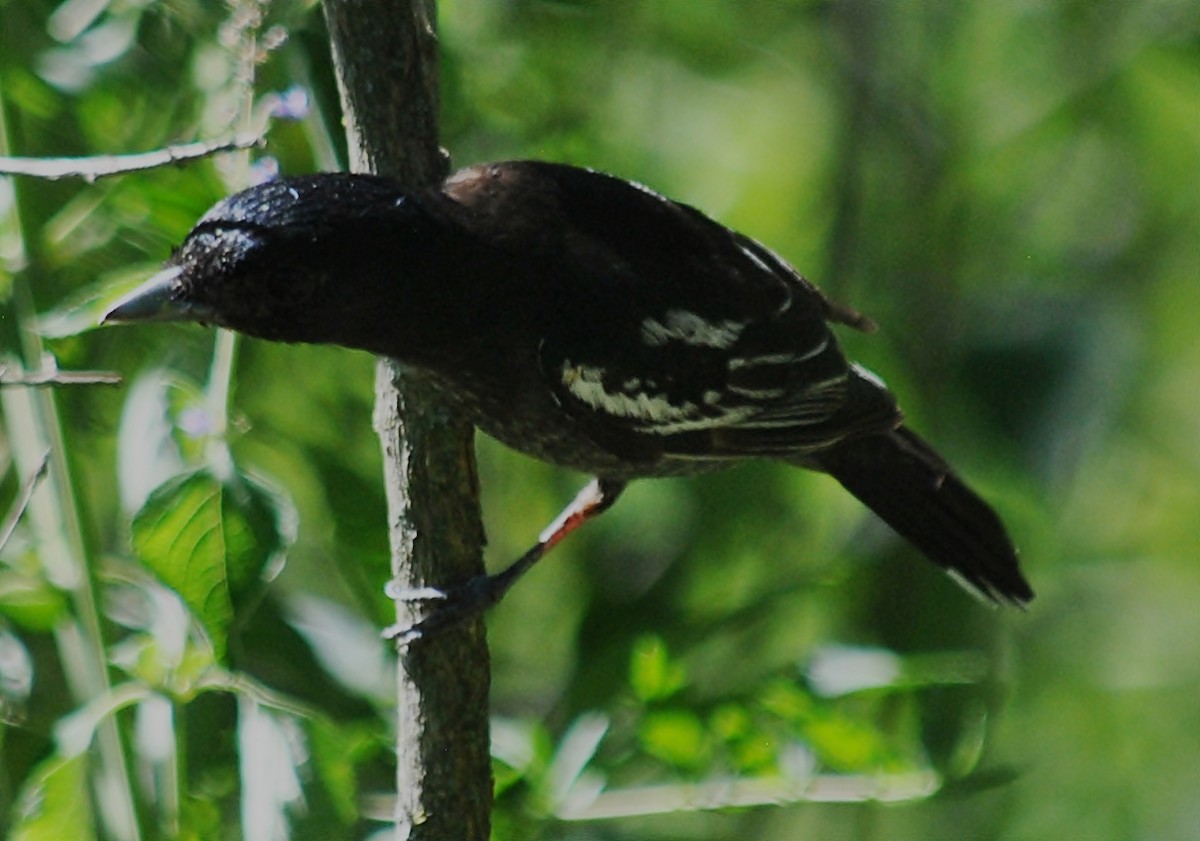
820	399
586	383
738	363
758	393
652	413
691	329
728	418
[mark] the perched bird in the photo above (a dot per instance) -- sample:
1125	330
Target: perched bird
586	321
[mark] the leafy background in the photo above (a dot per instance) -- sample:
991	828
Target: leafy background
1012	190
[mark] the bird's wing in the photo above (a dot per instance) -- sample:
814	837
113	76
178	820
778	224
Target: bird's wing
691	388
666	328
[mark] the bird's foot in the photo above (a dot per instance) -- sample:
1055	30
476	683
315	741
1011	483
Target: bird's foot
448	607
473	597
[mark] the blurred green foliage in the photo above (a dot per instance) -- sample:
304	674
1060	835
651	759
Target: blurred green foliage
1012	190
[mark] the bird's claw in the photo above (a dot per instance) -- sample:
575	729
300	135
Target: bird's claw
397	592
455	605
402	634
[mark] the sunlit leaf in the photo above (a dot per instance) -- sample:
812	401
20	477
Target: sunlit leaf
29	600
751	747
575	752
211	542
16	672
348	647
143	656
162	430
271	751
846	743
842	740
75	732
652	673
55	803
677	737
334	751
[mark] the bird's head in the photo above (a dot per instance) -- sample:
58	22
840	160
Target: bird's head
301	259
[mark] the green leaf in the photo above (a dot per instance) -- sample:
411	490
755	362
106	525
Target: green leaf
16	674
271	751
848	744
652	674
335	749
575	753
212	543
163	432
30	601
143	656
751	748
842	741
55	803
677	737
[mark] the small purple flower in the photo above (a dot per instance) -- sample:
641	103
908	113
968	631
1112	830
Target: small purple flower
291	104
263	170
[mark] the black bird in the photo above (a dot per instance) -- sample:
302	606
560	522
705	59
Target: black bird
586	321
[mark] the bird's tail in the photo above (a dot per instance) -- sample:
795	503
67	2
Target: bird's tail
899	477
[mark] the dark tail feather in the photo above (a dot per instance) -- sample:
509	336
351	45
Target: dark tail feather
899	477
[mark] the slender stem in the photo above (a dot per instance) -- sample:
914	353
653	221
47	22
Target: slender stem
54	516
236	173
220	383
101	166
173	771
22	502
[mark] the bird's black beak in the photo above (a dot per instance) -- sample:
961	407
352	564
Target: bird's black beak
156	300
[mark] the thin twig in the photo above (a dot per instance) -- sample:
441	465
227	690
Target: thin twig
99	166
55	377
22	502
593	805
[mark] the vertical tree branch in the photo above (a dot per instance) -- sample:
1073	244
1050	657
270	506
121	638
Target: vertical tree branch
385	53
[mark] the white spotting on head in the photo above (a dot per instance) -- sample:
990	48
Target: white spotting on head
691	329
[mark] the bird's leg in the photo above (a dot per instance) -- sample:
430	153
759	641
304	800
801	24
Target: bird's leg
483	591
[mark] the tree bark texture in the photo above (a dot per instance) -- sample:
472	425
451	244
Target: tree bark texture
386	56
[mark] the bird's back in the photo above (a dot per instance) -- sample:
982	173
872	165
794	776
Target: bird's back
662	338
